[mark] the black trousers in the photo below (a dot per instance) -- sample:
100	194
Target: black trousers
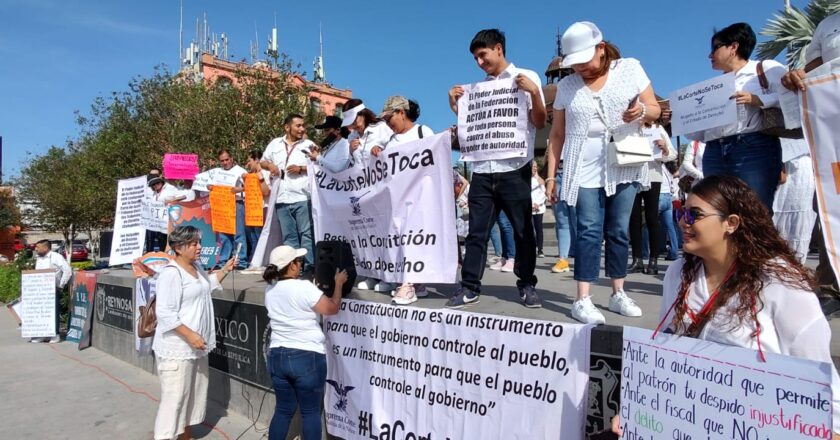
490	193
651	211
538	230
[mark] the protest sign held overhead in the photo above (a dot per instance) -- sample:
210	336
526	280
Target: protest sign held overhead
681	388
448	374
493	121
397	214
180	166
704	105
253	201
223	209
215	176
37	294
129	230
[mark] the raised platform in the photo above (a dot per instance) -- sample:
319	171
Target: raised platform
239	380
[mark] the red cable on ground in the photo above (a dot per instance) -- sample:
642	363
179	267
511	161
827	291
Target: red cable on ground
129	387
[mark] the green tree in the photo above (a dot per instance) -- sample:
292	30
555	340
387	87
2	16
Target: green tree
128	132
792	30
9	213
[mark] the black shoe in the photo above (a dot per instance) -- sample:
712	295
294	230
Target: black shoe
463	297
528	296
637	266
652	267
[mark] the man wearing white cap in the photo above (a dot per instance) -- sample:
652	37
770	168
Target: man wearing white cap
501	185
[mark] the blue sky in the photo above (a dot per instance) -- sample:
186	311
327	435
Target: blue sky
56	56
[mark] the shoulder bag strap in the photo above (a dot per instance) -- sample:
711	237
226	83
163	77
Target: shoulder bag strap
762	78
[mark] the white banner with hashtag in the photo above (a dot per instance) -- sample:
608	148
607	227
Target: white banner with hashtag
397	212
409	373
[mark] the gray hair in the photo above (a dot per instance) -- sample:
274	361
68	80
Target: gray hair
183	235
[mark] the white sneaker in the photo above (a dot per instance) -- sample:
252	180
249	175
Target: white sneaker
508	266
404	295
584	311
420	290
498	264
367	284
622	304
55	339
382	286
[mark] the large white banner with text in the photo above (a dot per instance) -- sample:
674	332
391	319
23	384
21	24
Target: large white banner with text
820	121
396	372
704	105
129	230
684	388
398	213
493	121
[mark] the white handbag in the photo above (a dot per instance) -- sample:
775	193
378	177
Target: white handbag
629	150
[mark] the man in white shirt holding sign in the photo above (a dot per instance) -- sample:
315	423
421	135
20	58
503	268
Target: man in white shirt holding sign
229	242
501	184
286	158
47	259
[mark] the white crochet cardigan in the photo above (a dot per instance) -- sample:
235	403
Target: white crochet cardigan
577	100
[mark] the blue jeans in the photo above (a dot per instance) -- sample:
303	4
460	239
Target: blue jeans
598	214
496	241
755	158
565	225
296	224
666	220
298	377
229	241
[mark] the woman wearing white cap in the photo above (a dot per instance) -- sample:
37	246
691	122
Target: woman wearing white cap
607	98
297	361
368	133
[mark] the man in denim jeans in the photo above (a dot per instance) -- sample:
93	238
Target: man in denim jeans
501	184
286	158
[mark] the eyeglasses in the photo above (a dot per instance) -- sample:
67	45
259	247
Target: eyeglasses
691	216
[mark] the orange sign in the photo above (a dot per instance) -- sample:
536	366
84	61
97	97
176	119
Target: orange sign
223	209
253	200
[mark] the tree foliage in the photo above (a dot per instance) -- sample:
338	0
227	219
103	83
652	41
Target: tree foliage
126	133
9	214
792	29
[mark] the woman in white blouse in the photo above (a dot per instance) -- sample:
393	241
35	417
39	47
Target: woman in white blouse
368	134
184	335
607	96
739	283
741	149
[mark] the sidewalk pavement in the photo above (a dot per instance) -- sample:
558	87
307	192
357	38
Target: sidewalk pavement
54	391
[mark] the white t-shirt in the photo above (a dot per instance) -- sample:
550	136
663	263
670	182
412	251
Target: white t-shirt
412	134
336	157
294	187
237	171
293	322
826	41
792	323
593	157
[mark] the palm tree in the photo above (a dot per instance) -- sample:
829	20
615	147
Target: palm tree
792	29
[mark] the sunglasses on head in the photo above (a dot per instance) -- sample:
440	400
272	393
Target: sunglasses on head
693	215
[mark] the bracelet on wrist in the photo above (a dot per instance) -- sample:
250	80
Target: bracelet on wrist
553	179
644	111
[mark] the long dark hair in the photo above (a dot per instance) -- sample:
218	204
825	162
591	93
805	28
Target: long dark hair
761	255
368	114
611	53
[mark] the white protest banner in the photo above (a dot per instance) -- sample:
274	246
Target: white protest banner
820	120
155	215
129	232
411	373
685	388
215	176
37	294
704	105
398	214
493	121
